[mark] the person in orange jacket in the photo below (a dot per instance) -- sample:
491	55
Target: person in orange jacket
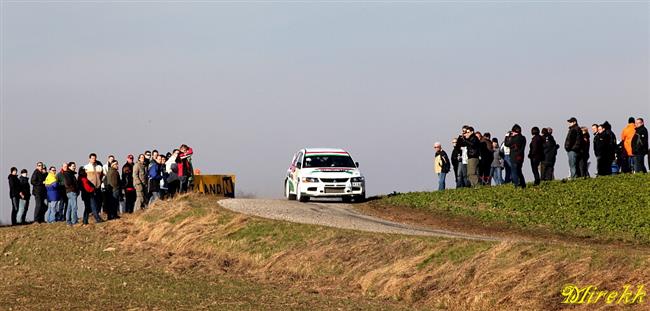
627	136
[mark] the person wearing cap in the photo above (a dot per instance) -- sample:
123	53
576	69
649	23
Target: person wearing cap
572	145
25	194
441	165
127	183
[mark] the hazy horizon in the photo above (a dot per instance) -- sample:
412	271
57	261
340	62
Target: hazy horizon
248	84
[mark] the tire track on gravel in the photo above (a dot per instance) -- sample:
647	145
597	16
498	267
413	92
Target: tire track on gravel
335	215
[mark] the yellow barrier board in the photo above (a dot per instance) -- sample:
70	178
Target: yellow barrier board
220	185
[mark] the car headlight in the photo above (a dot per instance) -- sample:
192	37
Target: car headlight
310	179
358	179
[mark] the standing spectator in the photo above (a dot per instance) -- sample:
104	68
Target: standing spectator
127	183
72	192
147	159
517	144
536	153
155	175
106	195
486	157
163	181
550	154
583	158
60	215
14	194
572	145
39	192
185	170
456	159
640	146
53	195
604	149
94	173
441	165
88	197
171	167
25	194
140	181
506	160
469	140
113	191
497	163
627	135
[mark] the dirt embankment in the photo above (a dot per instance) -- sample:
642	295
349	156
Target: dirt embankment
430	272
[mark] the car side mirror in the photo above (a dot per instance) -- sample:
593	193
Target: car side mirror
299	165
357	164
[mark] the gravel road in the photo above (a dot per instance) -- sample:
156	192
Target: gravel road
336	215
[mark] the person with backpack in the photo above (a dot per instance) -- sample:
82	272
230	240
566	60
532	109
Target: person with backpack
441	165
88	197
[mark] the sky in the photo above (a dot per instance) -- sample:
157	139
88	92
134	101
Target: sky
248	84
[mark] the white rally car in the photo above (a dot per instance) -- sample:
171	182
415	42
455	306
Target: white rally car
324	172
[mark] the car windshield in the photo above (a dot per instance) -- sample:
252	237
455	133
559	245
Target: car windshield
329	161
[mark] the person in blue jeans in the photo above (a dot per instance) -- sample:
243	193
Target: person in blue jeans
72	191
53	195
442	165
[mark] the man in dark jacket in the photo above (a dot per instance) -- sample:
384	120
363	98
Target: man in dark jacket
113	189
38	190
550	154
456	158
72	192
14	193
601	151
536	153
640	146
517	144
127	184
473	145
572	145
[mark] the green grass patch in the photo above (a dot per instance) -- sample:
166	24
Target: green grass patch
195	212
267	238
612	207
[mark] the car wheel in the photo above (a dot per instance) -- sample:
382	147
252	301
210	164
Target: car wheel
299	196
360	198
287	193
346	199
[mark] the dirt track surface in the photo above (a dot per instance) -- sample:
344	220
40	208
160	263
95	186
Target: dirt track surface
336	215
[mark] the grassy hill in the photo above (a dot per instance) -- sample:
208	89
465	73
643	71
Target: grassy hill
605	208
191	254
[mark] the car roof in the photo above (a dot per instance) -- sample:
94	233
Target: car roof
326	151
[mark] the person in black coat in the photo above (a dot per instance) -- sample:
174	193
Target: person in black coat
550	154
14	193
583	155
640	146
469	140
39	192
456	157
572	146
517	144
536	153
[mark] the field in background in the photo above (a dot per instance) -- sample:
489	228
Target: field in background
612	208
